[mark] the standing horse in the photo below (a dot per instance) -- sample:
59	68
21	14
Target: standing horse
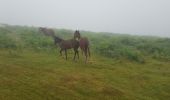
47	32
67	44
84	44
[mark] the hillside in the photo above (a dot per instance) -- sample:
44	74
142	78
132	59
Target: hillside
122	67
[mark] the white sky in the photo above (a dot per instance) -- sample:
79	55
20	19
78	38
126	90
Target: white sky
142	17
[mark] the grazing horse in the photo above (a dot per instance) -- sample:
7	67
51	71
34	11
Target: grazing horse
83	43
47	32
67	44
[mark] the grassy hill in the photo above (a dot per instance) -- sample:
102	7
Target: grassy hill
122	67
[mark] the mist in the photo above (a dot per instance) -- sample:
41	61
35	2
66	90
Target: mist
138	17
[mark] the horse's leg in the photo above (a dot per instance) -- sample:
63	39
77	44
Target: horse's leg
61	52
85	51
88	51
66	53
74	54
82	50
77	53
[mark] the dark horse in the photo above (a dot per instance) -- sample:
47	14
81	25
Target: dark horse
67	44
47	31
83	43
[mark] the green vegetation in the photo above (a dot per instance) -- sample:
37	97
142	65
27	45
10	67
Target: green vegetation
122	67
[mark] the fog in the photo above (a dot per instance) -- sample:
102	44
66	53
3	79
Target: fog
139	17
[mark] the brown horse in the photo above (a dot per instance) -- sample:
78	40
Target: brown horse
67	44
47	32
84	44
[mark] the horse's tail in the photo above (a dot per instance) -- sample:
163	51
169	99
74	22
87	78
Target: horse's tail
88	50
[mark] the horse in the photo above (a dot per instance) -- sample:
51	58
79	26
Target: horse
67	44
47	32
83	43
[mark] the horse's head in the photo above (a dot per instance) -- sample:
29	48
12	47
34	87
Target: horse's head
77	34
46	31
41	29
57	40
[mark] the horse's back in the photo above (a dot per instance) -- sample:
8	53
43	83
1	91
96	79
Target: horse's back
68	44
84	42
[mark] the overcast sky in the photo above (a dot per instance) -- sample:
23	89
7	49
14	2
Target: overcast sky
143	17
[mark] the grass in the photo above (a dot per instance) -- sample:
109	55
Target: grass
121	67
39	75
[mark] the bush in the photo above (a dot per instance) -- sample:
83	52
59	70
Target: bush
116	46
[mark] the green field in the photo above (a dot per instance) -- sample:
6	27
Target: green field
121	67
